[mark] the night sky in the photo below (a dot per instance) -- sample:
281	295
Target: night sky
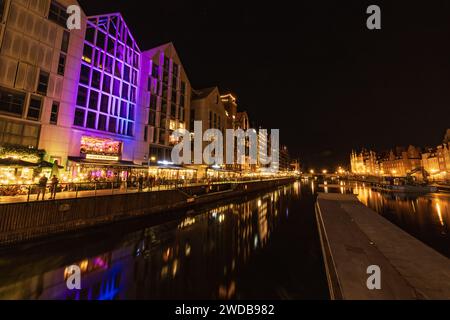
311	68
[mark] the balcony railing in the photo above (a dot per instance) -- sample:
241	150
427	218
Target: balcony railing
13	193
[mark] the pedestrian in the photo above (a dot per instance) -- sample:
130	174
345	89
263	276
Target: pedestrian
42	187
54	186
141	183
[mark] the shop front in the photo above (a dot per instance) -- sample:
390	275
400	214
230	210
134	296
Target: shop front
100	160
216	173
166	172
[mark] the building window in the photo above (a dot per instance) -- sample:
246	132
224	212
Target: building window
12	132
88	51
58	14
65	41
43	83
116	88
90	34
85	74
95	82
62	64
102	122
145	134
153	102
104	103
155	71
130	129
91	120
106	84
173	110
166	63
93	100
11	102
34	109
181	101
82	96
2	5
112	125
152	118
79	118
54	114
181	114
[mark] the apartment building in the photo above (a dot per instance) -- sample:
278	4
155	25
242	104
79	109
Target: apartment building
166	98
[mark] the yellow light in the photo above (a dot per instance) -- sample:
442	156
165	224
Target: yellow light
311	171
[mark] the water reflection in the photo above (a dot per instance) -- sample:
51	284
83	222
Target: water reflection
224	252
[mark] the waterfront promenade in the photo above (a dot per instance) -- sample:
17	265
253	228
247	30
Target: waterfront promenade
24	221
108	189
355	237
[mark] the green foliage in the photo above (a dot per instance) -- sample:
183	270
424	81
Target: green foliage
21	152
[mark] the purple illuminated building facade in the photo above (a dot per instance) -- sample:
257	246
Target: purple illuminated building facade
108	104
90	98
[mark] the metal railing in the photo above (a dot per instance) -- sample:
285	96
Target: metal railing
13	193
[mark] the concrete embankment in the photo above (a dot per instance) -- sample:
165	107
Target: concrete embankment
355	237
20	222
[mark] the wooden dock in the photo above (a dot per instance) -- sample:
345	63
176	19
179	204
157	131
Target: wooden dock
355	237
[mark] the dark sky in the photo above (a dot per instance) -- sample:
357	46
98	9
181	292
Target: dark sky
311	68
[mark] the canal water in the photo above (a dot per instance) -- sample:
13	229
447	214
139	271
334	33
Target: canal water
263	246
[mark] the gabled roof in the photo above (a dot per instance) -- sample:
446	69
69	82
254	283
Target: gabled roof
203	93
120	17
163	47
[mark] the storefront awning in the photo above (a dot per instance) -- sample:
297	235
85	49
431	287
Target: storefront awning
121	163
11	162
171	167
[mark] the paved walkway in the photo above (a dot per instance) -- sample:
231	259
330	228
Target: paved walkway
72	194
355	237
105	192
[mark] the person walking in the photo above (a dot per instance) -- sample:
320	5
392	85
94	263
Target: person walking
141	183
42	187
54	186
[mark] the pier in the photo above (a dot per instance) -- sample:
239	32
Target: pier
354	237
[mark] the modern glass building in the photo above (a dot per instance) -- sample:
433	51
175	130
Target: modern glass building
109	117
108	89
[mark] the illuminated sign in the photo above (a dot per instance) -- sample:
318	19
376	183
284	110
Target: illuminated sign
101	157
101	149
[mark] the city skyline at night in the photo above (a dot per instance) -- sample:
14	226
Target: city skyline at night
214	159
315	68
